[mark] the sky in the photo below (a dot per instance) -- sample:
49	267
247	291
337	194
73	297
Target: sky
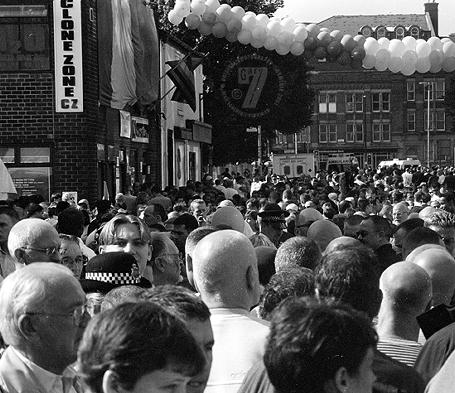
318	10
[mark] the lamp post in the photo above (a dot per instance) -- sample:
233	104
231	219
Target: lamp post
428	86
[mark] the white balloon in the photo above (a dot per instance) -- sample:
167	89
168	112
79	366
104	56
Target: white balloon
174	17
274	28
198	7
300	33
396	48
297	48
395	64
382	59
244	37
288	24
212	5
384	42
282	50
248	22
423	65
436	57
423	49
238	12
224	13
257	43
262	20
369	61
271	43
449	49
409	42
234	25
285	39
435	43
371	46
445	39
182	9
209	17
259	33
231	36
449	64
408	69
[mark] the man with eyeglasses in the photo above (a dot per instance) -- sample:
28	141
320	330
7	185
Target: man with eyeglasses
33	240
41	319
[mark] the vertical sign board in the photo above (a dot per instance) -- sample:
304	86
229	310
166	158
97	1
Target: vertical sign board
68	56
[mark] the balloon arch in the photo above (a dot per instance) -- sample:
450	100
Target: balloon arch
283	35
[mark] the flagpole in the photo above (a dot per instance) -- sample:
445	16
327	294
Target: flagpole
169	92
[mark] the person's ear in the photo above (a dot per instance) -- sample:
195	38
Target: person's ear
21	256
26	327
341	380
159	264
252	280
101	249
110	384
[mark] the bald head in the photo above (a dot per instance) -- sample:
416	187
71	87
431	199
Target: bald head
225	270
406	288
33	240
228	216
323	232
440	266
305	218
341	242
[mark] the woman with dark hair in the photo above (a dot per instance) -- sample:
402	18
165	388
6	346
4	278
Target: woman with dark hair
138	348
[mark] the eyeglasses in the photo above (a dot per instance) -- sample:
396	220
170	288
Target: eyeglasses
76	314
66	260
48	251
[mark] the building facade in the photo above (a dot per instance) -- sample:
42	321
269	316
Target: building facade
366	116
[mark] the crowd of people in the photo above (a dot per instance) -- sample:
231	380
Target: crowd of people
337	282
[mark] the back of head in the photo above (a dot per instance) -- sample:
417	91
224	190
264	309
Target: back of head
298	251
188	220
289	282
426	213
225	268
308	215
350	275
261	240
406	288
133	340
440	266
228	216
71	222
123	294
266	263
310	342
342	242
29	289
419	237
323	232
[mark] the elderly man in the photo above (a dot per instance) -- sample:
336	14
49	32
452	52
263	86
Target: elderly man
8	217
165	262
198	209
443	223
406	293
226	274
41	318
400	213
33	240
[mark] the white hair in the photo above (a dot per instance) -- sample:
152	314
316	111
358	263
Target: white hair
27	231
26	290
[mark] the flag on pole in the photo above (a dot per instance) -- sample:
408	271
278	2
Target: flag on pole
128	50
181	74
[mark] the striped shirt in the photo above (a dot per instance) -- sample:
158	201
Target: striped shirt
405	351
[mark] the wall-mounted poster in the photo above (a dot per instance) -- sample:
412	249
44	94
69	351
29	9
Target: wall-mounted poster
31	180
70	197
140	129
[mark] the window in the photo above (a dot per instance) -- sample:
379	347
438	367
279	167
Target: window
381	131
440	116
381	32
327	102
366	31
280	138
24	38
303	136
437	89
399	33
7	154
354	102
411	120
327	133
37	155
354	131
411	90
415	32
381	101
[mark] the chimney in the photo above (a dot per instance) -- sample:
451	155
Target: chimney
432	10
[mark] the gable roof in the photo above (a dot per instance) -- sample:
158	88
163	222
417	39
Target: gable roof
351	24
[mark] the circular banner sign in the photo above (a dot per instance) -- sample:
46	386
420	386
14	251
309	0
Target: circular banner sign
252	86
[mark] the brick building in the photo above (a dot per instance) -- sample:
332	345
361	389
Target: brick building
58	130
369	116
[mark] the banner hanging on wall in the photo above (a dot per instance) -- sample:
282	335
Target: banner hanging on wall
69	95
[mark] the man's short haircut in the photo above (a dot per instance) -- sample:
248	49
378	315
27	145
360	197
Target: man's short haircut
195	202
289	282
71	222
107	235
343	206
133	340
62	205
9	211
418	237
441	219
381	224
160	244
26	290
179	301
354	220
159	209
350	275
297	251
410	224
309	342
122	294
195	236
188	220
